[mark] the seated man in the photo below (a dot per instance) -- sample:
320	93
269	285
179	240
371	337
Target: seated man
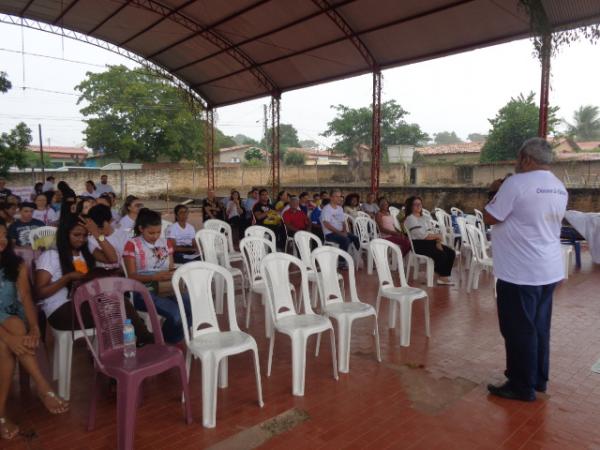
211	207
19	230
295	219
266	215
333	223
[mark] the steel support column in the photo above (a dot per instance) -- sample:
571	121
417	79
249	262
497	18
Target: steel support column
546	53
275	150
209	136
376	132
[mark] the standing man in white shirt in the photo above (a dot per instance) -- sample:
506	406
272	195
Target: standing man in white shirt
526	214
49	184
104	187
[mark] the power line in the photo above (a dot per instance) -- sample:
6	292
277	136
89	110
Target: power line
56	58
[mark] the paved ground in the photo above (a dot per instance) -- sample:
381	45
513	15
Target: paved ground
430	395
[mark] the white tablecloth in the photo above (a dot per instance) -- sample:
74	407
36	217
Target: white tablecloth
588	225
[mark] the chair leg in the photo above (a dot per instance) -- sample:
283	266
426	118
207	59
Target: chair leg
376	333
369	263
270	361
185	392
470	277
392	314
223	373
209	391
268	321
96	384
64	346
333	354
318	346
127	395
427	322
257	374
248	308
314	295
243	290
429	267
220	288
298	364
405	322
344	335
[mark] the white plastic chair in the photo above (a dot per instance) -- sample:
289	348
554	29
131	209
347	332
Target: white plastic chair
567	254
362	214
415	260
299	327
479	257
403	294
41	232
203	337
365	229
260	231
480	224
304	241
223	227
456	212
254	249
394	212
63	357
325	259
215	251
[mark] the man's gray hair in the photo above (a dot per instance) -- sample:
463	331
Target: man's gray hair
538	149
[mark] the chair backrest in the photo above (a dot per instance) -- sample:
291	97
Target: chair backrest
381	250
477	242
395	212
325	261
349	222
480	222
275	270
461	221
41	232
362	214
222	227
105	297
456	212
304	240
444	221
214	247
198	276
364	228
253	250
426	213
260	231
407	232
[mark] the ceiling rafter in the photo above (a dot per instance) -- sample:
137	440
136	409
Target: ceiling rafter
109	17
65	11
265	34
210	27
214	38
25	8
341	39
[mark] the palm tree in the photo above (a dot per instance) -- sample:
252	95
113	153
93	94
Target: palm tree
586	123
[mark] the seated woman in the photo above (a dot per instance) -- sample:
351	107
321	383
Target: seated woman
19	335
387	230
90	190
149	259
129	212
235	214
58	269
352	204
104	242
183	237
267	216
427	243
43	212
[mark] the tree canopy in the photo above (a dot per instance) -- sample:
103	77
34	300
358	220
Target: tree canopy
288	137
309	143
242	139
477	137
514	123
13	144
352	127
446	138
586	124
253	154
139	116
294	158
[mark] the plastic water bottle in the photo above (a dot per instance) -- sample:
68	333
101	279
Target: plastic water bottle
128	340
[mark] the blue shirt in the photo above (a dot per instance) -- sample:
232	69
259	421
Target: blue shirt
315	216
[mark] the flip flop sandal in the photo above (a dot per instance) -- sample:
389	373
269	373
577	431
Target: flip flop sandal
4	431
62	407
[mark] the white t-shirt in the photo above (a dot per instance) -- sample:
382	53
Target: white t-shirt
181	236
126	223
102	188
117	239
526	244
50	262
93	194
48	186
334	216
48	216
418	227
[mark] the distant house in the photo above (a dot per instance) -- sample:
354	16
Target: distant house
62	156
316	157
236	154
567	149
450	153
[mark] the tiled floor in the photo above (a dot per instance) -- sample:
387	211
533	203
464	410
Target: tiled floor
430	395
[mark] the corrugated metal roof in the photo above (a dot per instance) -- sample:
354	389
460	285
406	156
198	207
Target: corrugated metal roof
235	50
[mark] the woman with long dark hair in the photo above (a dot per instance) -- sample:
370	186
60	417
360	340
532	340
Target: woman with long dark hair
426	242
19	334
90	190
235	213
129	212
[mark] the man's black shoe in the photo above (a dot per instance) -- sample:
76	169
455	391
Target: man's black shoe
505	391
541	389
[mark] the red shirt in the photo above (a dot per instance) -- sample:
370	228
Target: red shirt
296	218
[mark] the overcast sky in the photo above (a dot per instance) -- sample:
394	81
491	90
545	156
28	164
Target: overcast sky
457	93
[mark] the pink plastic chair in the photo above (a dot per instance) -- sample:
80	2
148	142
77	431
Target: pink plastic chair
106	300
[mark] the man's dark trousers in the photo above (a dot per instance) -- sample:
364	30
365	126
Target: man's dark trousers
524	313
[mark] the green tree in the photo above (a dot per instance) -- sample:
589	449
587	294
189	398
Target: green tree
352	127
13	145
308	143
586	124
514	123
254	154
294	158
477	137
242	139
139	116
288	137
446	138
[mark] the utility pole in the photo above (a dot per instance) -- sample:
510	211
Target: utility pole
41	149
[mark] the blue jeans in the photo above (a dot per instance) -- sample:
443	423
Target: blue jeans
343	241
168	308
524	314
